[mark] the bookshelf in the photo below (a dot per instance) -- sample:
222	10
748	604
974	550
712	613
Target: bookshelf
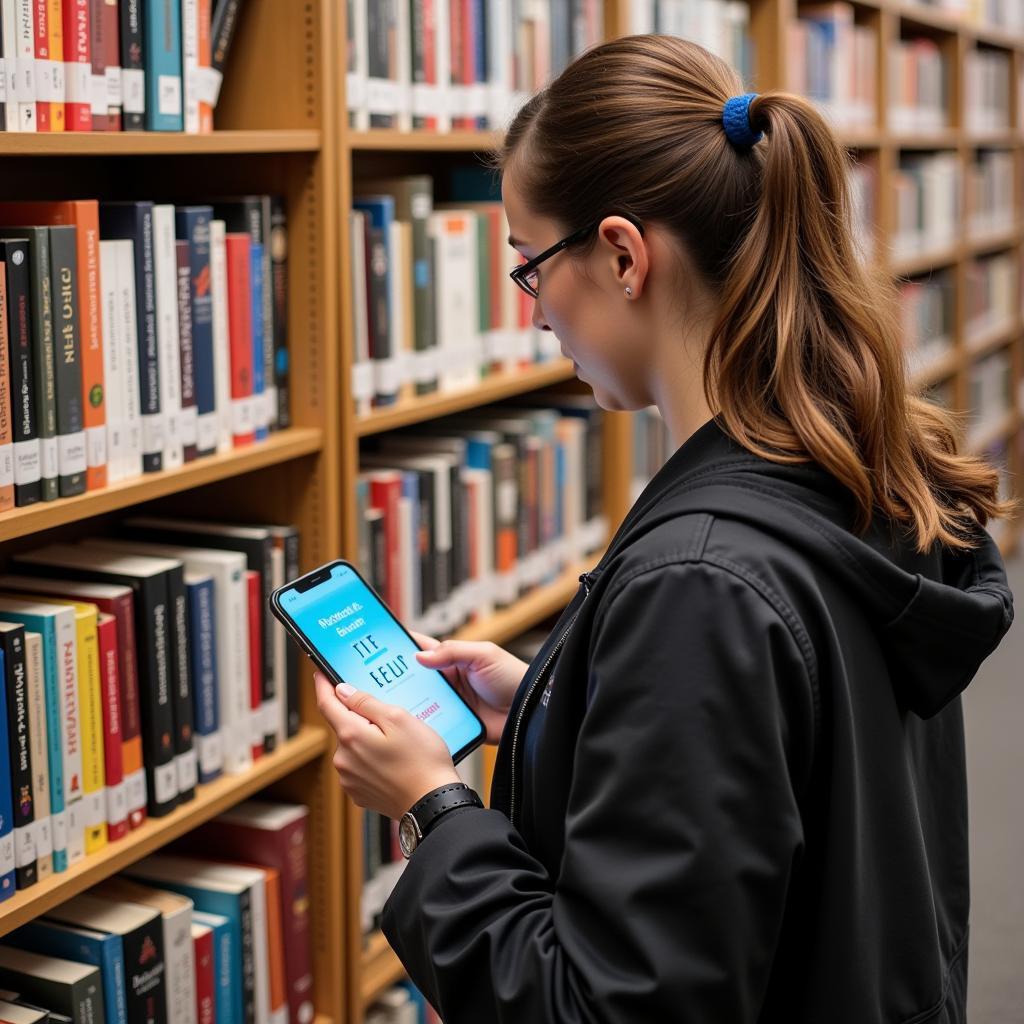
275	133
372	966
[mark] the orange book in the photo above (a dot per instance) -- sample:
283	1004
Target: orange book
55	37
6	433
85	216
205	60
275	940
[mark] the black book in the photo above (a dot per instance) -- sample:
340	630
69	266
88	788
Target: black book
133	72
71	454
67	986
134	221
44	380
153	631
189	418
287	538
222	31
12	642
28	487
279	283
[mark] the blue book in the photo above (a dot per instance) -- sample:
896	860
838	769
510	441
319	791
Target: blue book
192	225
380	213
161	24
34	618
199	594
259	375
99	949
226	963
6	805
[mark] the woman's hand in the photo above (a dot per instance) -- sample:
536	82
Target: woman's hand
485	676
386	758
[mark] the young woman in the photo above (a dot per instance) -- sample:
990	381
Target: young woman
731	786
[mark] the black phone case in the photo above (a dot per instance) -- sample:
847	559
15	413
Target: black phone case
322	574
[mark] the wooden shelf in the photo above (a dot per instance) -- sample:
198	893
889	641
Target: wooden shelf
860	138
935	371
210	800
1006	139
922	263
992	240
992	339
492	388
381	968
998	431
946	138
157	143
534	607
278	448
378	139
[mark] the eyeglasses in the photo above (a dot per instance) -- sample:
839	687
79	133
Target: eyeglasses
526	276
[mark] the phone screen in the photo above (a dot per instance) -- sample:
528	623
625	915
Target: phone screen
354	633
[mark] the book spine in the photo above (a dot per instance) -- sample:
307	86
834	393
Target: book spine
222	31
248	949
123	610
239	266
71	453
185	755
41	42
162	35
204	16
24	58
127	337
77	66
279	285
27	455
165	275
55	83
113	741
55	736
252	589
204	679
189	409
193	227
221	333
258	366
267	302
71	732
190	64
112	64
6	428
145	974
40	754
133	74
98	66
181	980
204	961
113	369
149	356
20	755
291	572
90	703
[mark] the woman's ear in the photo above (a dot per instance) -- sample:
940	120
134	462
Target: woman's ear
623	252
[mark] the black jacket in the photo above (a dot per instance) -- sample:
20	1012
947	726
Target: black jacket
744	797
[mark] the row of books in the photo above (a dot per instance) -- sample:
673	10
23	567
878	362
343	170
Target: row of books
833	61
927	202
133	669
989	394
444	64
926	320
991	294
113	65
464	514
383	862
918	86
990	197
433	306
1002	14
864	195
652	445
987	91
183	937
401	1004
135	337
721	26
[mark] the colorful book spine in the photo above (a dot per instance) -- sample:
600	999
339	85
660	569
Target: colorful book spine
206	697
77	66
7	860
279	286
162	44
259	380
6	426
165	274
221	332
41	42
189	409
202	945
90	704
226	961
98	65
16	709
40	753
239	267
54	74
112	64
252	589
113	744
133	73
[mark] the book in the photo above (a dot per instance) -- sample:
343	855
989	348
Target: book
53	75
77	66
98	64
112	63
8	882
161	30
36	675
189	408
226	961
41	43
18	1013
113	744
165	277
221	333
252	592
279	316
239	296
16	709
259	371
70	988
202	945
286	656
6	427
222	32
133	69
203	633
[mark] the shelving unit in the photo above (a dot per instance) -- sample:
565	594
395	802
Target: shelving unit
276	133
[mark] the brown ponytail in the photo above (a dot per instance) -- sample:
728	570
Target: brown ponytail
805	362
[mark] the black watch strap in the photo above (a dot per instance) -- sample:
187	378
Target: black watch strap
439	801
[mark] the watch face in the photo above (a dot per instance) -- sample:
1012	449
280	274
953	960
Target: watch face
407	834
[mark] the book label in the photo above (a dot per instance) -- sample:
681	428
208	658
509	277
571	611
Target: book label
117	803
94	809
43	838
189	425
152	432
211	752
51	81
187	768
59	830
78	82
24	847
96	445
243	419
71	453
133	87
169	95
51	459
113	77
165	782
207	431
135	788
6	465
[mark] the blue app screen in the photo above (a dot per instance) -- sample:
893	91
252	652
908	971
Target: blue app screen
357	636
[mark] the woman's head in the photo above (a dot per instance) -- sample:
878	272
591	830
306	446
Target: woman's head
747	296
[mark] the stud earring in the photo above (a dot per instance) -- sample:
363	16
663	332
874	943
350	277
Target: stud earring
629	291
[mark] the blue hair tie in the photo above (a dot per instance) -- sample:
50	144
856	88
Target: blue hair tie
736	118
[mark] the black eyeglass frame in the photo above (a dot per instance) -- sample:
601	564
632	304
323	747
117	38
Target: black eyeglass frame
519	274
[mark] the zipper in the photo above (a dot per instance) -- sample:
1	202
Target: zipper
585	581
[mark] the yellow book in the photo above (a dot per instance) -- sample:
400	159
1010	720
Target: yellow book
55	40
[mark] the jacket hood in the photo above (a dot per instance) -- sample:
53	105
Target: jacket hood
937	615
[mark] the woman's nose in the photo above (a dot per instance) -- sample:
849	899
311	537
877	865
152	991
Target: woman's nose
538	317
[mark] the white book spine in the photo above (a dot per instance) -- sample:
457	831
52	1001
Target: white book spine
26	69
9	92
280	702
165	274
38	750
356	82
70	712
190	62
128	338
113	369
258	903
442	35
179	957
221	333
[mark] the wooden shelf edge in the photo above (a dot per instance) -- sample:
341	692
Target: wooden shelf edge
210	800
991	340
381	968
983	243
281	447
935	371
490	389
922	263
999	431
285	140
377	139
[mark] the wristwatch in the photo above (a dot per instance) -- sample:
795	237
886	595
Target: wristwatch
421	817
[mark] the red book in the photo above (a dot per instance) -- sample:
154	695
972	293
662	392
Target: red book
112	60
457	39
98	63
205	44
202	947
113	751
430	54
273	835
254	588
41	32
385	490
77	66
243	427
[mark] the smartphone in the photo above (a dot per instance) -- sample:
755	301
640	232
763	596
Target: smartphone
350	633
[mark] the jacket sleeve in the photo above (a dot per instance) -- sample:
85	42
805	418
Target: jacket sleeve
682	830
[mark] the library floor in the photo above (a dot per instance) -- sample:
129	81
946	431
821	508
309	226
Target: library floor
994	714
